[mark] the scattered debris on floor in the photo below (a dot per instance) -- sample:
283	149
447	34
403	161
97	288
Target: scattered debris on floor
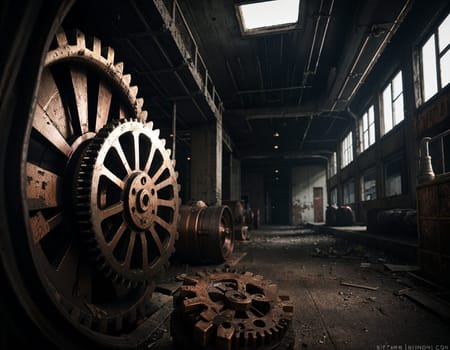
349	284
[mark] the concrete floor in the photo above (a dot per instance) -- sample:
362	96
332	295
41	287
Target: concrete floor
310	267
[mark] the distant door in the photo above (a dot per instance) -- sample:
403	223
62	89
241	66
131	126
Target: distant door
318	204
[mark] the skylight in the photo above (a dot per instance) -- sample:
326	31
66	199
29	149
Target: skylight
266	14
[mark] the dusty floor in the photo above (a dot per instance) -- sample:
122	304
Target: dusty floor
310	267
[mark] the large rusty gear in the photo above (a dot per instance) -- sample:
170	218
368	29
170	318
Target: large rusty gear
82	96
127	201
230	310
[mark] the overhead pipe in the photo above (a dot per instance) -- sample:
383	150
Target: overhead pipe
308	71
362	76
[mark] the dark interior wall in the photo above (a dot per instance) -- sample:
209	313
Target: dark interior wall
253	190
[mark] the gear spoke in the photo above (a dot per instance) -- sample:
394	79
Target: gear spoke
136	150
166	203
103	105
111	210
68	266
163	223
49	99
150	159
79	85
157	241
163	184
117	236
111	176
44	126
130	250
158	174
43	188
123	158
144	249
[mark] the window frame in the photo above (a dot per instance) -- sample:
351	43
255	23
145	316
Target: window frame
332	165
346	185
371	171
370	127
438	54
398	158
269	29
346	148
391	103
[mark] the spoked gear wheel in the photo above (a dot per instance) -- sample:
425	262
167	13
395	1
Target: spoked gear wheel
229	310
82	101
127	201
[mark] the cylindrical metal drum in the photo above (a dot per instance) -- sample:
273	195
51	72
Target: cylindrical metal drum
205	234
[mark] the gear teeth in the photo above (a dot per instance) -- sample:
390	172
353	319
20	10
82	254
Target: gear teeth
97	46
81	40
169	152
133	91
119	68
149	125
143	116
127	79
139	103
61	38
108	54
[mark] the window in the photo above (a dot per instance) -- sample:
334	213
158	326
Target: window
435	61
268	15
369	189
367	129
349	192
347	150
393	177
333	196
332	165
392	101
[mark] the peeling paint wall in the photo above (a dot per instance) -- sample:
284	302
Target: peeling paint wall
304	179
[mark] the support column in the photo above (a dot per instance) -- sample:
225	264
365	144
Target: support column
206	163
235	192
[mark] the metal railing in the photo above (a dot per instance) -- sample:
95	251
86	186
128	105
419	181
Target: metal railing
438	142
176	23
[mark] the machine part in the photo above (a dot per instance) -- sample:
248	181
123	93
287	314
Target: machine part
205	234
230	310
238	210
126	199
82	89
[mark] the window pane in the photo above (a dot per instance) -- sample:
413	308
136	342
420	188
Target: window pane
269	13
444	34
387	109
397	85
393	177
369	186
370	113
429	69
398	110
445	69
372	134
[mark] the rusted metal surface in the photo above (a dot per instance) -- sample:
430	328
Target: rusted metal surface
230	310
240	218
126	197
433	223
205	234
90	170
